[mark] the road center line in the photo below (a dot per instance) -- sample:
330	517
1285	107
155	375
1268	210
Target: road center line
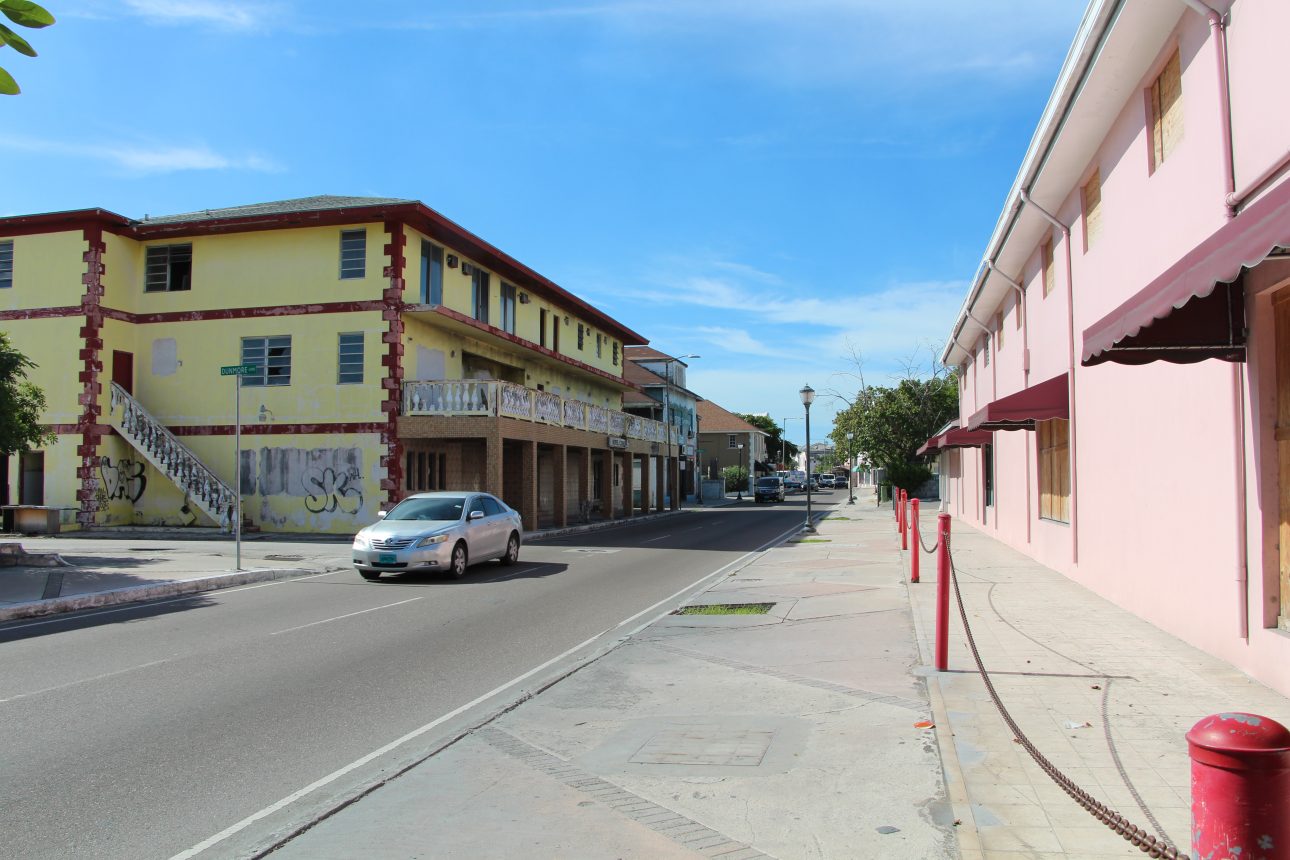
346	615
234	829
82	681
651	540
512	575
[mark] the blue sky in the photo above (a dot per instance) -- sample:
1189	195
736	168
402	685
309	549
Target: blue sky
772	184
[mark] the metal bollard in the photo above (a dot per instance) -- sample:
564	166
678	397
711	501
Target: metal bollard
1240	787
913	558
942	592
904	521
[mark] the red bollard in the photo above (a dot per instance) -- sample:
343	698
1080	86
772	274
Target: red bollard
942	592
913	558
904	521
1240	786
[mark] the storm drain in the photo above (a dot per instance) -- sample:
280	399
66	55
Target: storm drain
725	609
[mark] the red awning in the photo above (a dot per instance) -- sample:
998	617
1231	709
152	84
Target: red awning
1020	410
962	438
928	446
1195	309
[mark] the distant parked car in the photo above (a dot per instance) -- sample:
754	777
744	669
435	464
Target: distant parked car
826	480
769	490
438	531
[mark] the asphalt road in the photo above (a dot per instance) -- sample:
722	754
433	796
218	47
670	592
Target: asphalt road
207	726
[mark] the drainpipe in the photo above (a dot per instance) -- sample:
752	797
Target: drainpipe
1231	200
1070	322
1219	32
1025	368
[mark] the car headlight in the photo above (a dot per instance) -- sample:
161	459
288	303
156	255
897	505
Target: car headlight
432	540
360	541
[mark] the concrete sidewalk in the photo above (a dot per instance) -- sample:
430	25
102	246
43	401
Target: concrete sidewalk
803	732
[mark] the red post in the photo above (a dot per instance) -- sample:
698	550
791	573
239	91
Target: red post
942	592
1240	786
913	557
904	521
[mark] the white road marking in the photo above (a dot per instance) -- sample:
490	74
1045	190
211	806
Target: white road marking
234	829
82	681
512	575
651	540
346	615
148	603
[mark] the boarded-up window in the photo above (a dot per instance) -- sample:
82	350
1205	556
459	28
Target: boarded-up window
1046	261
1019	311
1164	104
1091	194
1054	469
998	327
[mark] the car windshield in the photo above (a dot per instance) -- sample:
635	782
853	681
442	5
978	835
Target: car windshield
442	508
768	482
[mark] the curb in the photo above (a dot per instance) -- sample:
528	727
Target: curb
142	593
600	526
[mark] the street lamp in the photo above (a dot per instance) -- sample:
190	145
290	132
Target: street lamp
667	419
739	487
851	468
808	397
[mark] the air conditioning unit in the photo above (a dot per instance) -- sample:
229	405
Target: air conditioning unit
452	261
466	268
524	298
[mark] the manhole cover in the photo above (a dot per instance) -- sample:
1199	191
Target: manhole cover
718	748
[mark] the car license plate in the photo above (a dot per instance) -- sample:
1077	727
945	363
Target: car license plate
386	558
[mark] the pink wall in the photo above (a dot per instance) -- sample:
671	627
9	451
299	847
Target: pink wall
1157	457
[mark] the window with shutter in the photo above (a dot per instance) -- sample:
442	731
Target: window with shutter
1164	103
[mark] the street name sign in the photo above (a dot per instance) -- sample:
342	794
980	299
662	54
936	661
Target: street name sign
239	370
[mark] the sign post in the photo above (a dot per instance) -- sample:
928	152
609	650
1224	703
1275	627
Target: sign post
237	370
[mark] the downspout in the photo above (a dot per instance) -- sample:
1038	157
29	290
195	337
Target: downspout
1025	367
1070	322
1219	33
1230	201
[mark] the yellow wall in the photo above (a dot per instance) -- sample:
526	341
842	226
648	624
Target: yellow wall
47	270
269	267
54	345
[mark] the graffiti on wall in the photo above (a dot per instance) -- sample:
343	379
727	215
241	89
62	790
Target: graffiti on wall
328	480
123	480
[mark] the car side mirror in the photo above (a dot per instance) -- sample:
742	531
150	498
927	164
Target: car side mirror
475	515
380	515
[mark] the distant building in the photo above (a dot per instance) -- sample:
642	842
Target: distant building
387	351
665	398
725	439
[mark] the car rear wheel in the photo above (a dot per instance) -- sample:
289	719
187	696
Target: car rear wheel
512	550
457	567
369	575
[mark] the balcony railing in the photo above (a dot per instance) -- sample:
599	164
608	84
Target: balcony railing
491	397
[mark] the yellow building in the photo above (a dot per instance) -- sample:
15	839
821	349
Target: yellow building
390	351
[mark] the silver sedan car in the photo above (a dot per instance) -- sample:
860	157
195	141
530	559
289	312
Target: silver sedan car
438	531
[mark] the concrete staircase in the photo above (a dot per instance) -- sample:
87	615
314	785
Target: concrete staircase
202	488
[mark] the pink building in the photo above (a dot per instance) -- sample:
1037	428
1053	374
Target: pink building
1124	350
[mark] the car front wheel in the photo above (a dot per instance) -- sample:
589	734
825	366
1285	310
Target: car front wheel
457	567
512	550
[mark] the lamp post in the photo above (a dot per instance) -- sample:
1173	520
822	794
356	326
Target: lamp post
851	469
739	487
808	397
667	419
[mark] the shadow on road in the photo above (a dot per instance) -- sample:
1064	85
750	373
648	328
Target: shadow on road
479	574
30	628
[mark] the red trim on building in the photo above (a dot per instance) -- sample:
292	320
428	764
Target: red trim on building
199	316
392	461
90	354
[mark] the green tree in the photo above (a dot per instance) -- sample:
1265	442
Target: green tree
775	437
24	13
21	404
890	424
736	478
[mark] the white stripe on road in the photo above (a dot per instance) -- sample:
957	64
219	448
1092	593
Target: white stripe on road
346	615
651	540
234	829
65	618
513	575
82	681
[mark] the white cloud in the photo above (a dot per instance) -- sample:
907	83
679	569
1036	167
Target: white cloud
143	160
219	13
